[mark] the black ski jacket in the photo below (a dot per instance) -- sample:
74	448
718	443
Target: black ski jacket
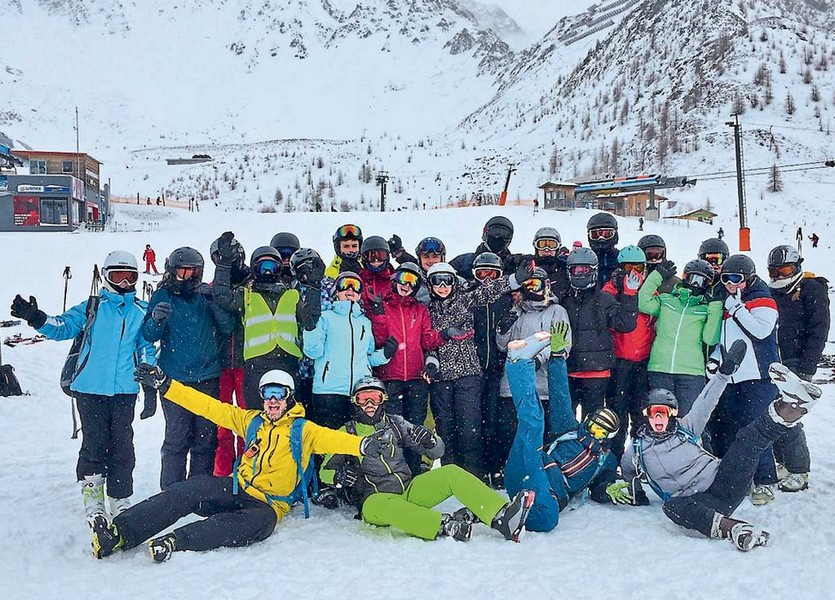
803	322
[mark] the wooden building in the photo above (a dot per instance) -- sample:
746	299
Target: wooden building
558	195
81	166
702	215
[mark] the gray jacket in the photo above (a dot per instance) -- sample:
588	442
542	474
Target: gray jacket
676	464
533	317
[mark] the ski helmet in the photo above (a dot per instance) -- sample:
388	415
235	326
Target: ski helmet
487	261
120	272
348	280
739	264
279	385
537	287
660	402
441	274
380	249
347	232
660	397
301	256
631	254
602	230
651	241
698	275
266	264
184	268
430	244
405	274
603	423
286	243
240	258
547	233
714	251
367	393
582	266
784	266
369	383
497	233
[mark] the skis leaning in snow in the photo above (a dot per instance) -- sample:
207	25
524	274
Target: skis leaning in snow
19	340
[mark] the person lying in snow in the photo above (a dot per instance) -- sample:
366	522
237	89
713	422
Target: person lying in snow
270	477
699	491
386	494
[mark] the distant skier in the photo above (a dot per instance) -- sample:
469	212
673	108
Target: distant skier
815	239
150	258
640	223
721	233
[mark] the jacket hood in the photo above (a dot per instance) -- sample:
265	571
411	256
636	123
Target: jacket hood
535	305
343	307
116	298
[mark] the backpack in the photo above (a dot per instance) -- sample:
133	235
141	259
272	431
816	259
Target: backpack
300	493
638	449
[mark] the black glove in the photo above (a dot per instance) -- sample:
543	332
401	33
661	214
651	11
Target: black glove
161	312
733	357
28	311
431	368
395	244
377	307
617	279
152	376
310	272
150	406
666	269
506	321
524	271
376	444
345	477
310	309
456	333
422	437
640	498
390	347
228	249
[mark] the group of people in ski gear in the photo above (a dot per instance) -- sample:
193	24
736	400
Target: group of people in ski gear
553	374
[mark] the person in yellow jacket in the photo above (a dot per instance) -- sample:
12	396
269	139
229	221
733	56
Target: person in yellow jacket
244	508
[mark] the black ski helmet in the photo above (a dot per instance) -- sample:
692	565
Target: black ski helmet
184	257
262	254
739	263
301	256
698	275
375	242
349	231
497	233
285	239
431	244
713	245
602	220
488	260
240	258
660	397
651	241
408	267
582	256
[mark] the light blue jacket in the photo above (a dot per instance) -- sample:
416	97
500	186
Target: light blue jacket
114	347
342	347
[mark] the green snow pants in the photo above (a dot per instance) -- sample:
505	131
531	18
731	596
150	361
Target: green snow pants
412	512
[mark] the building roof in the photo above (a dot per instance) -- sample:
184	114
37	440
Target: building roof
558	184
29	154
693	213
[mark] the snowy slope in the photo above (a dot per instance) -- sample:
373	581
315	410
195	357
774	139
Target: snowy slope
596	552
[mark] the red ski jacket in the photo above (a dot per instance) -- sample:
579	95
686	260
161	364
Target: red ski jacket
636	344
409	322
375	285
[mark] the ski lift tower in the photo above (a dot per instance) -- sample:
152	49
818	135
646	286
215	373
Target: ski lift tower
638	183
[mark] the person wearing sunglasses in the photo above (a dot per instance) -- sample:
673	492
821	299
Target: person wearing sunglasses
286	244
270	476
347	242
103	390
594	315
700	491
388	494
191	326
803	324
456	383
575	456
715	252
495	237
602	232
750	315
551	256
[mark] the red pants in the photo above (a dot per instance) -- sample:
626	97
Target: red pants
231	381
151	264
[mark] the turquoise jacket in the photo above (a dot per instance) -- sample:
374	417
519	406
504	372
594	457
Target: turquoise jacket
342	347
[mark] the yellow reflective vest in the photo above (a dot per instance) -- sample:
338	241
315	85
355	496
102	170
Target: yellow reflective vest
265	330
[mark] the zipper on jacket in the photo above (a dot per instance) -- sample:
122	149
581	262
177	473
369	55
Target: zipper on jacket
263	456
678	331
325	370
351	326
403	329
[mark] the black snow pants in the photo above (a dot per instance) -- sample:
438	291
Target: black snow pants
627	389
456	406
410	400
589	393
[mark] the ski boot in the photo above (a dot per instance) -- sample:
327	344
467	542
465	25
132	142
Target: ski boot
761	495
746	537
796	396
92	494
106	538
458	529
163	547
510	520
117	505
794	482
465	514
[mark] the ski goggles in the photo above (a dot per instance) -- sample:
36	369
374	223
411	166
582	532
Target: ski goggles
500	233
267	265
659	410
376	256
782	271
546	244
714	258
348	231
442	280
366	397
344	284
184	273
637	267
119	277
275	391
599	432
487	273
732	278
696	280
580	270
430	245
655	254
602	233
535	286
406	278
285	253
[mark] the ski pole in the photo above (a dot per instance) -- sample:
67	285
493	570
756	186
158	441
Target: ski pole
67	276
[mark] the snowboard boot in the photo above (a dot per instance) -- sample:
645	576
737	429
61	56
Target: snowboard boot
465	514
163	547
796	396
746	537
529	347
761	495
510	520
106	538
782	471
733	358
92	494
794	482
458	529
117	506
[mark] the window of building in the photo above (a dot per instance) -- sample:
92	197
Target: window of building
66	166
561	194
54	211
37	167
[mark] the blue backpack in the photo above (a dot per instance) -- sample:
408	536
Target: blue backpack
306	476
681	432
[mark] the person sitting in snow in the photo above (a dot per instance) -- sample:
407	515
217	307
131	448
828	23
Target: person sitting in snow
386	493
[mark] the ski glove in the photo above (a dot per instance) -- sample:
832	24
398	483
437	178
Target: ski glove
152	376
632	281
310	309
422	437
506	321
734	302
711	366
228	249
457	333
28	311
524	271
395	245
619	493
431	368
559	337
733	357
161	312
390	347
150	406
376	304
345	477
376	444
666	269
310	272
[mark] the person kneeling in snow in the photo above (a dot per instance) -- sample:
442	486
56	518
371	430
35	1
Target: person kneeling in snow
386	494
274	473
578	458
701	492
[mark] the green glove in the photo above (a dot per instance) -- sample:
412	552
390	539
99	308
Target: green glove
559	335
619	493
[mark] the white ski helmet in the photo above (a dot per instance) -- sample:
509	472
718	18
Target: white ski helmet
119	260
277	377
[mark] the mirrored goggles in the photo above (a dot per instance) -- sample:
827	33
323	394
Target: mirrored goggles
267	265
183	273
349	231
442	280
603	233
285	253
118	277
406	278
638	267
580	270
600	433
659	410
535	285
429	245
732	278
366	397
275	391
376	256
349	283
483	273
714	258
655	254
546	244
782	271
696	280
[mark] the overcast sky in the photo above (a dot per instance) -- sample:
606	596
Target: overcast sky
537	17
